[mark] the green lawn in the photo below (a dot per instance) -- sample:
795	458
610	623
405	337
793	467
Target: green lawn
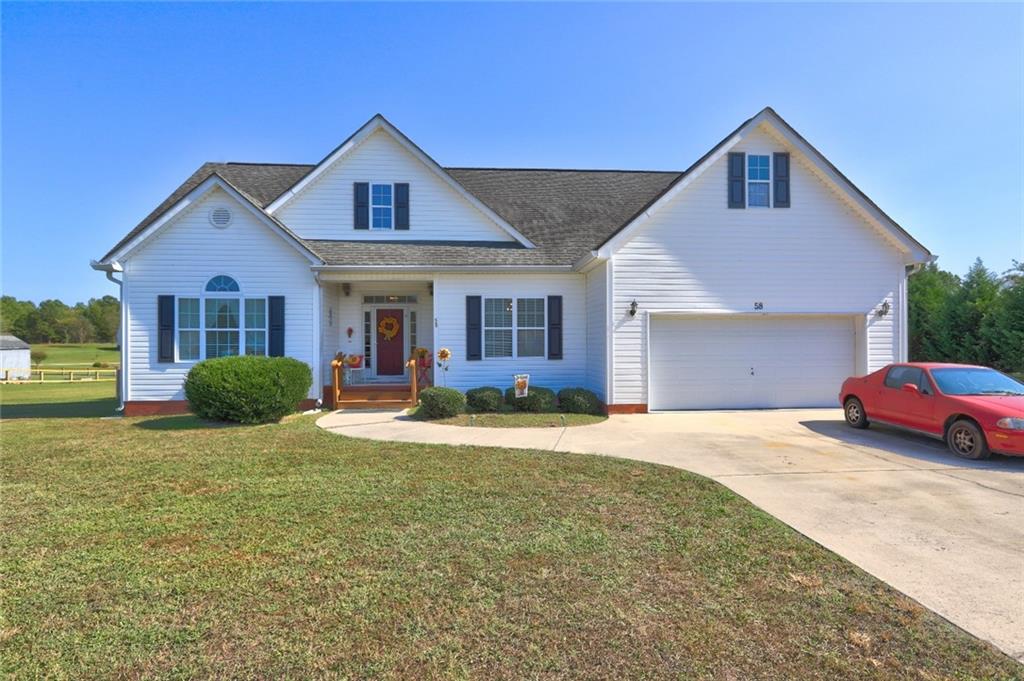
58	400
513	419
164	547
77	355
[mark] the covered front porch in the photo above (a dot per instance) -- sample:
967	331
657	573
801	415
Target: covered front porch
371	330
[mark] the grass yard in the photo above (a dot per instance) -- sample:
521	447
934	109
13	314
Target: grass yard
58	400
79	355
163	547
513	419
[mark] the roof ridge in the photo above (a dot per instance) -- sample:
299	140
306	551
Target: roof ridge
565	170
259	163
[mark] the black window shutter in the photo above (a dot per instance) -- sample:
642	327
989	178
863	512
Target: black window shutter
275	313
165	329
554	327
402	205
361	202
737	184
473	313
781	179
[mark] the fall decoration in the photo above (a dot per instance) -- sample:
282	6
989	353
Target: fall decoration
388	328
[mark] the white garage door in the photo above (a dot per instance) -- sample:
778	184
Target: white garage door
748	362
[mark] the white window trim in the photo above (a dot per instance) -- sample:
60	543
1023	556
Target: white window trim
391	206
746	171
515	328
202	296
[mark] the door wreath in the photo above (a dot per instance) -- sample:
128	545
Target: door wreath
388	328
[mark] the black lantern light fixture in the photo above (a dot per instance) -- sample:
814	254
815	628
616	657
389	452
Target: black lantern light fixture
632	308
883	309
346	288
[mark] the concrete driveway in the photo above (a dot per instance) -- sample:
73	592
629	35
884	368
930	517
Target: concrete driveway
947	532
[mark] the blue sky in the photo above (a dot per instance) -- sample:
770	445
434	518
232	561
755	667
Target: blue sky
108	107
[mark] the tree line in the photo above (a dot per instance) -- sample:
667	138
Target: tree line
977	319
52	321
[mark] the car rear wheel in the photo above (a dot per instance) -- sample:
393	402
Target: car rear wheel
854	410
967	441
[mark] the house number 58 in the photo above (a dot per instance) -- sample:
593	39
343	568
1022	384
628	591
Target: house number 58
758	305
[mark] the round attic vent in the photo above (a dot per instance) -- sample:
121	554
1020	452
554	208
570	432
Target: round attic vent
220	217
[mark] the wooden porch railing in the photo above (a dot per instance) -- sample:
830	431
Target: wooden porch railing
338	377
413	382
337	374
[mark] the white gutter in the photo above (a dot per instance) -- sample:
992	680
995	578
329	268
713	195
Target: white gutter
588	261
109	268
444	268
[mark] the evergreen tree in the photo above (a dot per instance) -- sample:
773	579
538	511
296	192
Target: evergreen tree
928	298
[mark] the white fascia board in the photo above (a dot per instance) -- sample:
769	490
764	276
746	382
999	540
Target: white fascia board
376	123
195	195
751	313
620	239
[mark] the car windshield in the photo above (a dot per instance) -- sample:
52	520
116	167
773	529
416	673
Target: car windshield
975	381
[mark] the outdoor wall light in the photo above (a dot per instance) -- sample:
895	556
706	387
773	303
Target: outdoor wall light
884	309
346	289
632	308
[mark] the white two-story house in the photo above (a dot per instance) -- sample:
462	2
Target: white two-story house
758	277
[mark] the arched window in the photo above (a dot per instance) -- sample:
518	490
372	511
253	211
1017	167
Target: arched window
221	322
222	284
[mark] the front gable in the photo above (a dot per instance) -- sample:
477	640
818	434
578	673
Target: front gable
216	229
322	206
765	135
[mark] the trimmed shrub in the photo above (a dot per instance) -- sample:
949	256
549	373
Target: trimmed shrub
484	399
441	403
579	401
537	399
247	389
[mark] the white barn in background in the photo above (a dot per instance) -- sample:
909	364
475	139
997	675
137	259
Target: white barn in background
15	358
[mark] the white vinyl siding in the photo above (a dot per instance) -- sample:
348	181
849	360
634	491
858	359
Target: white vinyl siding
450	291
324	209
181	259
695	254
597	329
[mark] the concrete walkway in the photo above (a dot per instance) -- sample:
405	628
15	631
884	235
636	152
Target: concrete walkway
947	532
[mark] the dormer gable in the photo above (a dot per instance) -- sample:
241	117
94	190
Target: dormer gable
378	185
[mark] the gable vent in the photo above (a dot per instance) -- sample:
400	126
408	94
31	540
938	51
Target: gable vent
220	217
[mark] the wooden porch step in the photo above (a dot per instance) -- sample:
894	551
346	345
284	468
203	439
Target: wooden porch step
375	396
374	404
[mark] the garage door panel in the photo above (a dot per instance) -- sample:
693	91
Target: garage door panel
748	362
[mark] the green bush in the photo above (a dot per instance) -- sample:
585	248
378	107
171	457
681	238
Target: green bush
441	403
247	389
484	399
537	399
579	401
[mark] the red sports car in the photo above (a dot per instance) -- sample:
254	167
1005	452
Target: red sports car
975	410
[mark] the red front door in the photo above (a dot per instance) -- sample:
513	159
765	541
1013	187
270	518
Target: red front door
390	343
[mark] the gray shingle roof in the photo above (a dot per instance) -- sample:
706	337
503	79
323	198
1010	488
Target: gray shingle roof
565	213
9	342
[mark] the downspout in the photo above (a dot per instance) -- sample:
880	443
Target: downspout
108	269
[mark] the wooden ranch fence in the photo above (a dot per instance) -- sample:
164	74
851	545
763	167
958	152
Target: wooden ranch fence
56	375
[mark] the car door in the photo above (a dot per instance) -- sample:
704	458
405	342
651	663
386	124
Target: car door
908	408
